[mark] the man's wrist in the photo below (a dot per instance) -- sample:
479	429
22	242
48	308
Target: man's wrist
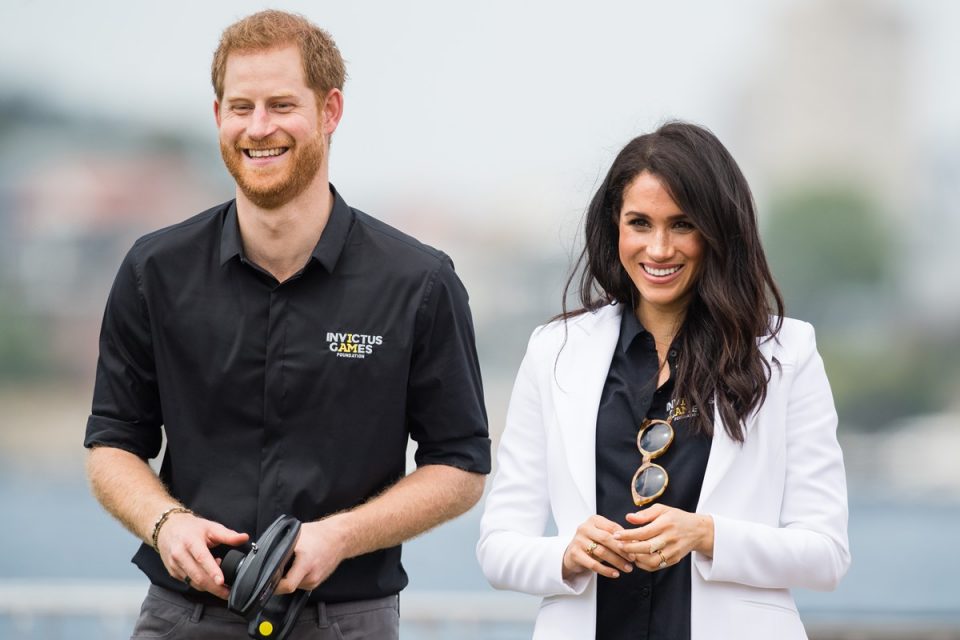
339	525
162	520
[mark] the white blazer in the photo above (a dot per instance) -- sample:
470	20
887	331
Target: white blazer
778	501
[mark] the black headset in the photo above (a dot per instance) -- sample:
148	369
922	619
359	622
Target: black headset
252	576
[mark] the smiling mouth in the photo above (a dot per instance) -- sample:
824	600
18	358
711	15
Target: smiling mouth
666	271
265	153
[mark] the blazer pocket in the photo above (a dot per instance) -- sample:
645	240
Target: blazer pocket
755	620
770	605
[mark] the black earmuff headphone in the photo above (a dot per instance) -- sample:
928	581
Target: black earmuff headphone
252	576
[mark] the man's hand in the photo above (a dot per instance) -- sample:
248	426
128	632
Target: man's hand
320	549
430	495
184	543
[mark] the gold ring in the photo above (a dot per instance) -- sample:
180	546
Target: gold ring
593	547
663	561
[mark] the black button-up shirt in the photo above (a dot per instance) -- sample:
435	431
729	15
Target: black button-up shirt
294	397
643	605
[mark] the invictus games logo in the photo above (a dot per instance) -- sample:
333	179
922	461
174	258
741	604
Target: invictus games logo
352	345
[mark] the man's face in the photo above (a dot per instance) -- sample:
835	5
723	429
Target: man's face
272	136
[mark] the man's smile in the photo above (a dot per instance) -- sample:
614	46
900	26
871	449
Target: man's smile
265	153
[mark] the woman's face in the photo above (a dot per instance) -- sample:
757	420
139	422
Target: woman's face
659	246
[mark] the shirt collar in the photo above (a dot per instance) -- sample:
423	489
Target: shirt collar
630	329
326	252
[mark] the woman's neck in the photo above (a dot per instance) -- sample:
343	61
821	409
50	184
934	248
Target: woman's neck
663	325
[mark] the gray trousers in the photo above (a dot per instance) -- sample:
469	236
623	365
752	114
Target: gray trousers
167	614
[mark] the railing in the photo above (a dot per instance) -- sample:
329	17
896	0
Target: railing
106	610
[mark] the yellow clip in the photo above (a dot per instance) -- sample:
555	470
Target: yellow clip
265	628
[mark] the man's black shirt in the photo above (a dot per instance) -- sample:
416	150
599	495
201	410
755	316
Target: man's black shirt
294	397
643	605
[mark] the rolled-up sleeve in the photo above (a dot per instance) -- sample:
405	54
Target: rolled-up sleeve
445	410
126	411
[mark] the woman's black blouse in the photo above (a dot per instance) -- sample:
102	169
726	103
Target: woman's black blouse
640	604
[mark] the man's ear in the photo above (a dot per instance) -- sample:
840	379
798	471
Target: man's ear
216	112
331	111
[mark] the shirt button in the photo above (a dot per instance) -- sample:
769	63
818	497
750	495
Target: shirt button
673	353
645	592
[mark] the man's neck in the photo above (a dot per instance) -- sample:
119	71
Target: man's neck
281	240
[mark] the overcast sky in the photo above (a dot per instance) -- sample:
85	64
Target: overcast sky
524	99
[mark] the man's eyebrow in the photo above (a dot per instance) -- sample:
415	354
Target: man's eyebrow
289	96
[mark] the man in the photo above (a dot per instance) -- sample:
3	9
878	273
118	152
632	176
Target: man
288	345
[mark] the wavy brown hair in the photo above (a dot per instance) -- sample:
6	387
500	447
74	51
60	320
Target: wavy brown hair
735	300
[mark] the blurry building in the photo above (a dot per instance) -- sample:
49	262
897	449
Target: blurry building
830	99
76	193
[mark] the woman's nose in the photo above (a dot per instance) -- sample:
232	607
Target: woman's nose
661	246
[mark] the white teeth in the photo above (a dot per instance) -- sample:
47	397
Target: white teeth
660	272
264	153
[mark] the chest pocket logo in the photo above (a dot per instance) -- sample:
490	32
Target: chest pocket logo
678	409
352	345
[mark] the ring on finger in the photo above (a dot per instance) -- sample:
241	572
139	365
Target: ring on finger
186	580
593	547
663	561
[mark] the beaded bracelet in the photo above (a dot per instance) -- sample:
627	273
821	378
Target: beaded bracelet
162	519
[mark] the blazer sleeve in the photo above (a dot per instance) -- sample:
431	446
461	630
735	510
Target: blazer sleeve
513	551
809	548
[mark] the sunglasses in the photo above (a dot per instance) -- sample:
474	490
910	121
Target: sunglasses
650	480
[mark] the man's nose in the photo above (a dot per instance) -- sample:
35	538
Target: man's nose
261	124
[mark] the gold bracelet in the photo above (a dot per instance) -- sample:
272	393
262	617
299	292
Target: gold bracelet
162	519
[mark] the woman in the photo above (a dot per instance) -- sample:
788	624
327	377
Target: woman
680	432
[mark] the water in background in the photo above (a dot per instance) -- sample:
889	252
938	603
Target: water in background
903	567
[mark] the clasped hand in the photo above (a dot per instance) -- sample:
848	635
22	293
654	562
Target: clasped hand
663	537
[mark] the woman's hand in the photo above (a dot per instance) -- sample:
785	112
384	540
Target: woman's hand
664	536
594	548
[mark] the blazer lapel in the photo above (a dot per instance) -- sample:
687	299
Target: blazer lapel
581	372
723	449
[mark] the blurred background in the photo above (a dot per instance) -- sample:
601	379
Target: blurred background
483	128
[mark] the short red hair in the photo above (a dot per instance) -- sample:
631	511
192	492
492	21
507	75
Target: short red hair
323	66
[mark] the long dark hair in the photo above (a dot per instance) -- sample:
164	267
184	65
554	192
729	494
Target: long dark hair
735	299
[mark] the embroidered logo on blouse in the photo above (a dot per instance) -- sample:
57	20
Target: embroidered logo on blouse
352	345
678	409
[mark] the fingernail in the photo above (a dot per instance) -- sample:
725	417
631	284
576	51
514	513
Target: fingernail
627	568
616	574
